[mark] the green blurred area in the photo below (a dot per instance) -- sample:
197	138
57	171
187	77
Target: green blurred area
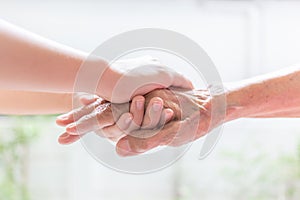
14	150
260	175
250	173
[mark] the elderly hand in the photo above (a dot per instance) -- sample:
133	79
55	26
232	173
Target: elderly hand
186	126
111	120
192	119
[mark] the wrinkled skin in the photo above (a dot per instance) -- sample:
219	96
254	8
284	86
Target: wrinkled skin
185	125
100	116
188	107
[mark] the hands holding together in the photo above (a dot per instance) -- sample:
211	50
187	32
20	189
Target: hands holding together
161	117
123	122
177	116
141	108
128	105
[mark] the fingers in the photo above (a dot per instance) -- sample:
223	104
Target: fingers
127	122
137	110
175	133
153	113
101	117
67	138
123	127
117	130
111	132
76	114
167	115
133	145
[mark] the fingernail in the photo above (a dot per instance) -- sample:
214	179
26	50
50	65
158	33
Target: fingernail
64	136
63	117
128	120
139	104
157	106
169	113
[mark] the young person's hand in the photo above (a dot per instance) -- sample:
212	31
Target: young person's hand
128	78
29	62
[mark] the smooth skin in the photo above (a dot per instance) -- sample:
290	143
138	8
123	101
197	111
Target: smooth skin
29	62
34	103
267	96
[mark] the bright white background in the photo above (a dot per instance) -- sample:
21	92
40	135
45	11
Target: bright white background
244	38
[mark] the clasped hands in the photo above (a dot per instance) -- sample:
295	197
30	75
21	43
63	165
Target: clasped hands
167	116
154	120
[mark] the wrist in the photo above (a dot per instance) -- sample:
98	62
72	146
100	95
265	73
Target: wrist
237	104
107	82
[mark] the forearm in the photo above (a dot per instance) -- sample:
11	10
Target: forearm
271	95
34	103
30	62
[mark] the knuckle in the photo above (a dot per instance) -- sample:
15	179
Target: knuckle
85	119
103	111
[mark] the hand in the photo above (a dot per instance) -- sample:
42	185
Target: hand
192	119
132	77
100	116
188	107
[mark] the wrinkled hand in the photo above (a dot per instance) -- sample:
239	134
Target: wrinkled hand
192	119
186	126
111	120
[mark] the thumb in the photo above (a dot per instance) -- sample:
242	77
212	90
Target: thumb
138	142
181	81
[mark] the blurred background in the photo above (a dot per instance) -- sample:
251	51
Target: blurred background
255	159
